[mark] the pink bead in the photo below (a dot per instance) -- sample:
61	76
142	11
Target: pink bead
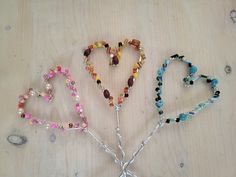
53	125
78	108
84	125
34	121
76	125
47	98
28	116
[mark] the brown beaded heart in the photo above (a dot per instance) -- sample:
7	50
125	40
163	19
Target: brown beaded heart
115	56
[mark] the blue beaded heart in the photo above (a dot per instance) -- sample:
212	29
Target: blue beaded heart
191	78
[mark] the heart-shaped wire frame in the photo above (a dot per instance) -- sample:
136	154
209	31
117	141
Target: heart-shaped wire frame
189	80
47	95
115	56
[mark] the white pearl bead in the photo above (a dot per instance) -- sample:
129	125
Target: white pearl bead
20	111
77	98
48	86
32	93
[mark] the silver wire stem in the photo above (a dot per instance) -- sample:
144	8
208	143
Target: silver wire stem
118	135
105	147
159	124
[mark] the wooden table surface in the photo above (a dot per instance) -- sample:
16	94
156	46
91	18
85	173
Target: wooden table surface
38	35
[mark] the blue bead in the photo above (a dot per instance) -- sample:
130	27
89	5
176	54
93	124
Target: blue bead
214	82
159	104
183	117
192	69
160	72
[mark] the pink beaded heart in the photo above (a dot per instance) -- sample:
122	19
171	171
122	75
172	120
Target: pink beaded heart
47	95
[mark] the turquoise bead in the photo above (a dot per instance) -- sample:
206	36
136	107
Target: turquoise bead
214	82
192	69
183	117
159	104
160	72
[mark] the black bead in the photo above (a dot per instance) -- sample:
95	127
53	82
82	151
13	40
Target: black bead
23	115
217	92
160	112
190	64
177	119
120	44
158	98
167	121
203	76
191	82
157	89
106	45
158	78
126	95
175	56
208	80
164	65
181	57
98	81
160	83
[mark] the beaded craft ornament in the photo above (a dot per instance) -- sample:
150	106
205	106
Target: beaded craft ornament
47	95
115	56
124	164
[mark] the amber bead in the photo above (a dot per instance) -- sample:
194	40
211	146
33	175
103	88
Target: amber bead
126	89
135	42
106	93
87	52
120	100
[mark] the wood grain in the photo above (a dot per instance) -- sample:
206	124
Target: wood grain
36	35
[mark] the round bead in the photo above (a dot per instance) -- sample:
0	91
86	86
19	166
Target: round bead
214	82
183	117
77	98
70	125
160	72
32	93
106	94
192	69
20	111
48	86
98	81
159	103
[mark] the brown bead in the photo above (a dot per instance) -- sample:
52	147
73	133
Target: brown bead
126	89
70	125
131	81
87	52
115	60
135	42
106	93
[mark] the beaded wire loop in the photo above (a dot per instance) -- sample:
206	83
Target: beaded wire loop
115	56
189	80
47	95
